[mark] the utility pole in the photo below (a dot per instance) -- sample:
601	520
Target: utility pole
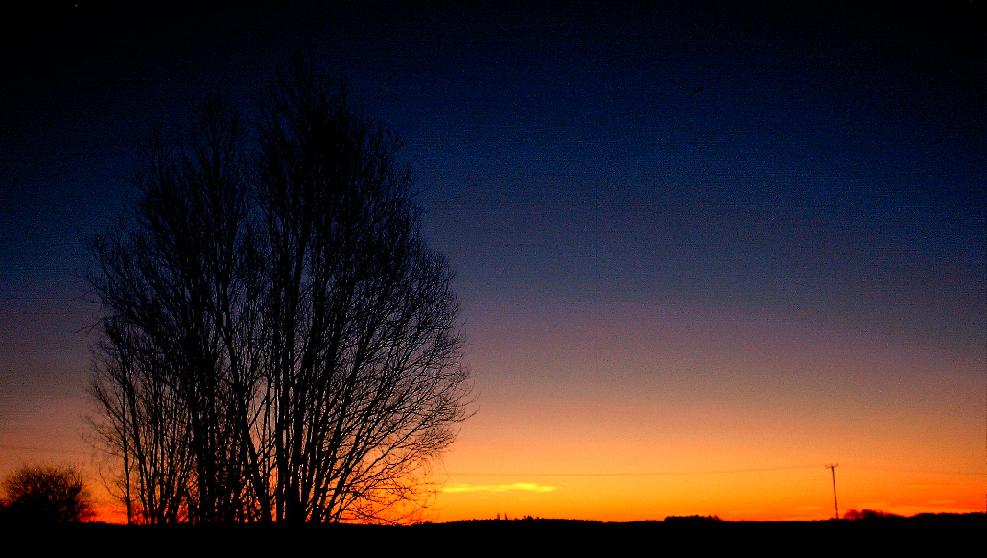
836	509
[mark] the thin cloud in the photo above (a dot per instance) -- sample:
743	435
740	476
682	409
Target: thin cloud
513	487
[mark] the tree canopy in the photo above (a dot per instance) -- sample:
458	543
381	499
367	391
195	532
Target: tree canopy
46	494
278	343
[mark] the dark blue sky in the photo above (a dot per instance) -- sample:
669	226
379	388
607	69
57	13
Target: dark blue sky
825	164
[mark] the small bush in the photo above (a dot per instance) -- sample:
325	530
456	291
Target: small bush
692	519
46	494
869	515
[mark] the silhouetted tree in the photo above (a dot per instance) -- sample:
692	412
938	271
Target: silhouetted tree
869	515
166	375
279	342
46	494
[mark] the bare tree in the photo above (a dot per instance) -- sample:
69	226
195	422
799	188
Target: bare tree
146	426
364	367
46	494
163	379
279	342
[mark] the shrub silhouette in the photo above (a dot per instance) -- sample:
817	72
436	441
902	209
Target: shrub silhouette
692	519
869	515
46	494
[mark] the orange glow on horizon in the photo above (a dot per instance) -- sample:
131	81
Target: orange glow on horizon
798	494
676	412
784	494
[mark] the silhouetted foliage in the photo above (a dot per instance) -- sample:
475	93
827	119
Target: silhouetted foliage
45	494
869	515
279	342
692	519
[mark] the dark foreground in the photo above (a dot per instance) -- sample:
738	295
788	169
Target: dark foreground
942	535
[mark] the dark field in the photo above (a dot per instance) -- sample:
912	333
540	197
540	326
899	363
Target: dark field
934	535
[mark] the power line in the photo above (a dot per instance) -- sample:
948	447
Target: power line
905	471
710	472
601	474
630	474
42	449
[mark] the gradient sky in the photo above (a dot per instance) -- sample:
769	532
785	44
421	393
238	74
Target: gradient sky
701	252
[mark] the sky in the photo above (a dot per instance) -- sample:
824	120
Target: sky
701	251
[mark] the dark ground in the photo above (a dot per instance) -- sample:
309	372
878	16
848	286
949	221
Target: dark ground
934	535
